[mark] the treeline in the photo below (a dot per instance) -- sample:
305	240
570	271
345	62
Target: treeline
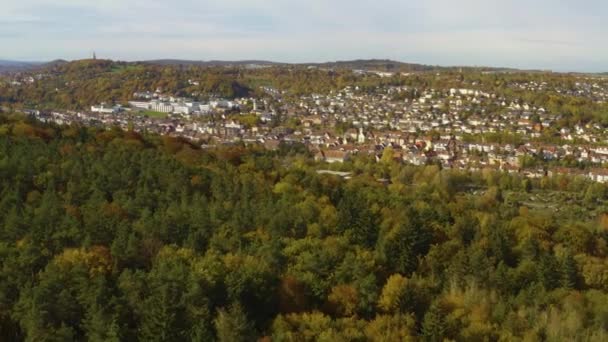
116	236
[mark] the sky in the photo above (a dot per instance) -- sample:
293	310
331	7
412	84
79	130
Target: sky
561	35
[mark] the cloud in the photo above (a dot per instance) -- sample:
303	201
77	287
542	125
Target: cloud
545	33
546	42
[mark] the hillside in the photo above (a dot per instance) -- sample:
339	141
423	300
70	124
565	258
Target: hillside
79	84
108	235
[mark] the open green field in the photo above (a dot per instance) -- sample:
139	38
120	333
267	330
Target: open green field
126	68
153	114
561	204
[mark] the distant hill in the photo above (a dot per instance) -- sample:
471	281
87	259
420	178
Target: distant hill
211	63
386	65
363	64
375	64
15	66
7	66
56	62
357	64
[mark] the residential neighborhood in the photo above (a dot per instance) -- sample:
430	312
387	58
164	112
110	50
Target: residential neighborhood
456	128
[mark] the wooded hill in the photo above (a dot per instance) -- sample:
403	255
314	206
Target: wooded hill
115	236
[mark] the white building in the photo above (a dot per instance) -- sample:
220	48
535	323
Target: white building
182	109
162	107
104	109
140	104
204	108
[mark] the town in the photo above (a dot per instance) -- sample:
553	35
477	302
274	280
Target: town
454	127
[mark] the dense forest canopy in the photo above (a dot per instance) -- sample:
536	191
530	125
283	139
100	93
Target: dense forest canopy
110	235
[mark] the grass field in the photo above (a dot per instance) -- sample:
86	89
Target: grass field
153	114
126	68
562	205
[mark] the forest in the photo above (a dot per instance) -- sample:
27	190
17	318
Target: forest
110	235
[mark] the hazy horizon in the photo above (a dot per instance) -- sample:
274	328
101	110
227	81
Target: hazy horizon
564	36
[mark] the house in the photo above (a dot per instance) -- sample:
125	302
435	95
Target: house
332	156
599	175
272	145
415	158
509	168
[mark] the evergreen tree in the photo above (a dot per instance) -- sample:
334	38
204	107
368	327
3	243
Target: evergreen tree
433	325
548	272
232	325
569	279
